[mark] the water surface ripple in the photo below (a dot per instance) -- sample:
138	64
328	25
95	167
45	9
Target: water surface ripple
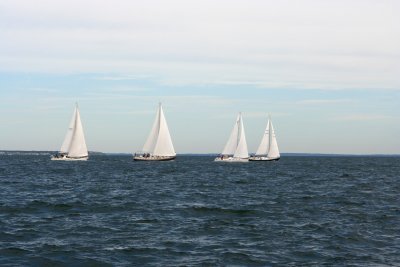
111	211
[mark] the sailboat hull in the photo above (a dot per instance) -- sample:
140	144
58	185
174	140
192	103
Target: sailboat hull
231	159
263	159
66	158
153	158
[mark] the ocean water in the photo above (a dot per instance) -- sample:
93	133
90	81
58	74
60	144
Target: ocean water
111	211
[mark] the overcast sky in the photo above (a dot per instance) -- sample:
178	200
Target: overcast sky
327	71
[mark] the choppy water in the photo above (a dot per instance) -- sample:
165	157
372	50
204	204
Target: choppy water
300	211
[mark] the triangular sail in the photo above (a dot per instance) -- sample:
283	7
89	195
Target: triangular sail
264	145
273	149
159	142
68	136
152	138
241	149
77	147
232	143
164	146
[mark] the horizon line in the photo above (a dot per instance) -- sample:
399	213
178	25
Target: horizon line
213	154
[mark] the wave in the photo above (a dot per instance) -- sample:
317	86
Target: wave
211	209
25	153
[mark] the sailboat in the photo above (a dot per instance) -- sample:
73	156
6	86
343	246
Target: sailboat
268	149
74	145
235	149
158	146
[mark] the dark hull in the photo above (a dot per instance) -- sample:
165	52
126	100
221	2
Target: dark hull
153	158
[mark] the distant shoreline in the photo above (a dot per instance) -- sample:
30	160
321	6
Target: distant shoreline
300	155
2	152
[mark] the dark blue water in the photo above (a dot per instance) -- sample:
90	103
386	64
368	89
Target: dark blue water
111	211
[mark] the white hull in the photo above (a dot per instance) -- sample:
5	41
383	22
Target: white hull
231	159
256	158
153	158
66	158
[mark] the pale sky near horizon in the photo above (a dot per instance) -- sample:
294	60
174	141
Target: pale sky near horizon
328	72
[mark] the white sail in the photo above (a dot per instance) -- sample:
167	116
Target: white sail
159	142
241	149
273	149
232	143
268	146
74	144
77	147
264	145
164	146
153	136
237	145
68	136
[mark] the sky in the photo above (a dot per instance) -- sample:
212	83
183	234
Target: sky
328	72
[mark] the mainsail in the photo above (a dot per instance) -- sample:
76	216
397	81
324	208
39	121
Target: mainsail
231	145
273	148
74	144
159	141
68	136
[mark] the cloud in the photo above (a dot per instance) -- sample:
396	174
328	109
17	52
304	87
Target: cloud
269	44
362	117
121	77
325	101
265	115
